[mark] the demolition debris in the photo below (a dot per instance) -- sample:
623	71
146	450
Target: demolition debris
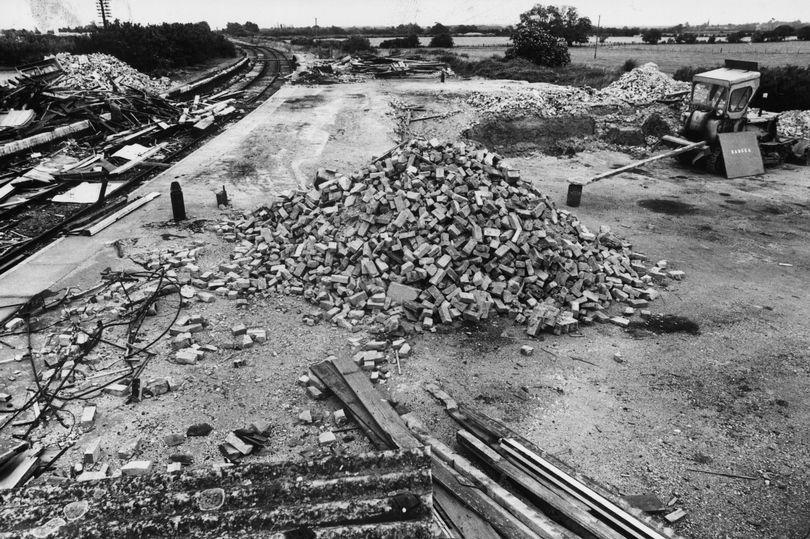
352	69
104	72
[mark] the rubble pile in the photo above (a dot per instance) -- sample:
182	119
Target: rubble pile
435	233
643	84
546	101
354	69
794	124
104	72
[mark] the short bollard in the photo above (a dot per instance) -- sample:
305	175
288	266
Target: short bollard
178	206
222	197
574	194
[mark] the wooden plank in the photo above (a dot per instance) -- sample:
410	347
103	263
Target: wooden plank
632	526
382	412
465	522
534	520
499	518
129	208
140	159
491	430
19	470
44	138
329	375
15	448
563	509
637	164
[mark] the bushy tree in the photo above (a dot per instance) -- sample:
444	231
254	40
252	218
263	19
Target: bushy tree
531	42
438	29
687	38
783	31
735	37
563	22
803	33
466	28
235	29
165	46
651	36
355	44
251	27
757	37
410	42
442	40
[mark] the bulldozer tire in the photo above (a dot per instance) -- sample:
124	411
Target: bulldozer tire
715	164
685	158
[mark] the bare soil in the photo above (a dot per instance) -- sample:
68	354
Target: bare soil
719	385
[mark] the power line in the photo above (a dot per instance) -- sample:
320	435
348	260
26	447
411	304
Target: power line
104	11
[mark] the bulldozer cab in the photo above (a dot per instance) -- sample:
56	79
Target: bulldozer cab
725	92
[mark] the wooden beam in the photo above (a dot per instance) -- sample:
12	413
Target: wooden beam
129	208
474	498
383	414
465	522
637	164
491	430
330	376
138	160
564	509
537	522
609	511
44	138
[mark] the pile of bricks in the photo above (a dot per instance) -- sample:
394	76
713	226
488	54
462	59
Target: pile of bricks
436	233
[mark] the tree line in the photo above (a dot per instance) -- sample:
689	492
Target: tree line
151	48
780	33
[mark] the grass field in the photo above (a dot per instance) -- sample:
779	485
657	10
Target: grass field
670	57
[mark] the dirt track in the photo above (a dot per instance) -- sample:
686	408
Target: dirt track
731	399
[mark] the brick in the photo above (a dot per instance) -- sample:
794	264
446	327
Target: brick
188	356
88	416
400	293
118	390
238	444
327	438
257	335
137	467
92	452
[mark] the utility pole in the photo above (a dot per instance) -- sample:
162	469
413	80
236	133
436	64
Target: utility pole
596	45
103	9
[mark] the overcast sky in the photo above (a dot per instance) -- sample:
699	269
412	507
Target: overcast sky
266	13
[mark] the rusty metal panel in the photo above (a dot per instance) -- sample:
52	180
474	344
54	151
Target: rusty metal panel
741	154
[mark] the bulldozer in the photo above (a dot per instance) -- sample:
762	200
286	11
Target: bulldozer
719	132
737	143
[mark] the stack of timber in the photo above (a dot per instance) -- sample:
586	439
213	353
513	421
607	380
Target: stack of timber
529	495
434	233
577	504
371	495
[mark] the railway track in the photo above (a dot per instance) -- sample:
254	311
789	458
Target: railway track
28	227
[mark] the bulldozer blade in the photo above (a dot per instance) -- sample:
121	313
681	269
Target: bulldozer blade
741	155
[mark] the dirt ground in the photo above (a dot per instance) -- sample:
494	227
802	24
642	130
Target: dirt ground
643	411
